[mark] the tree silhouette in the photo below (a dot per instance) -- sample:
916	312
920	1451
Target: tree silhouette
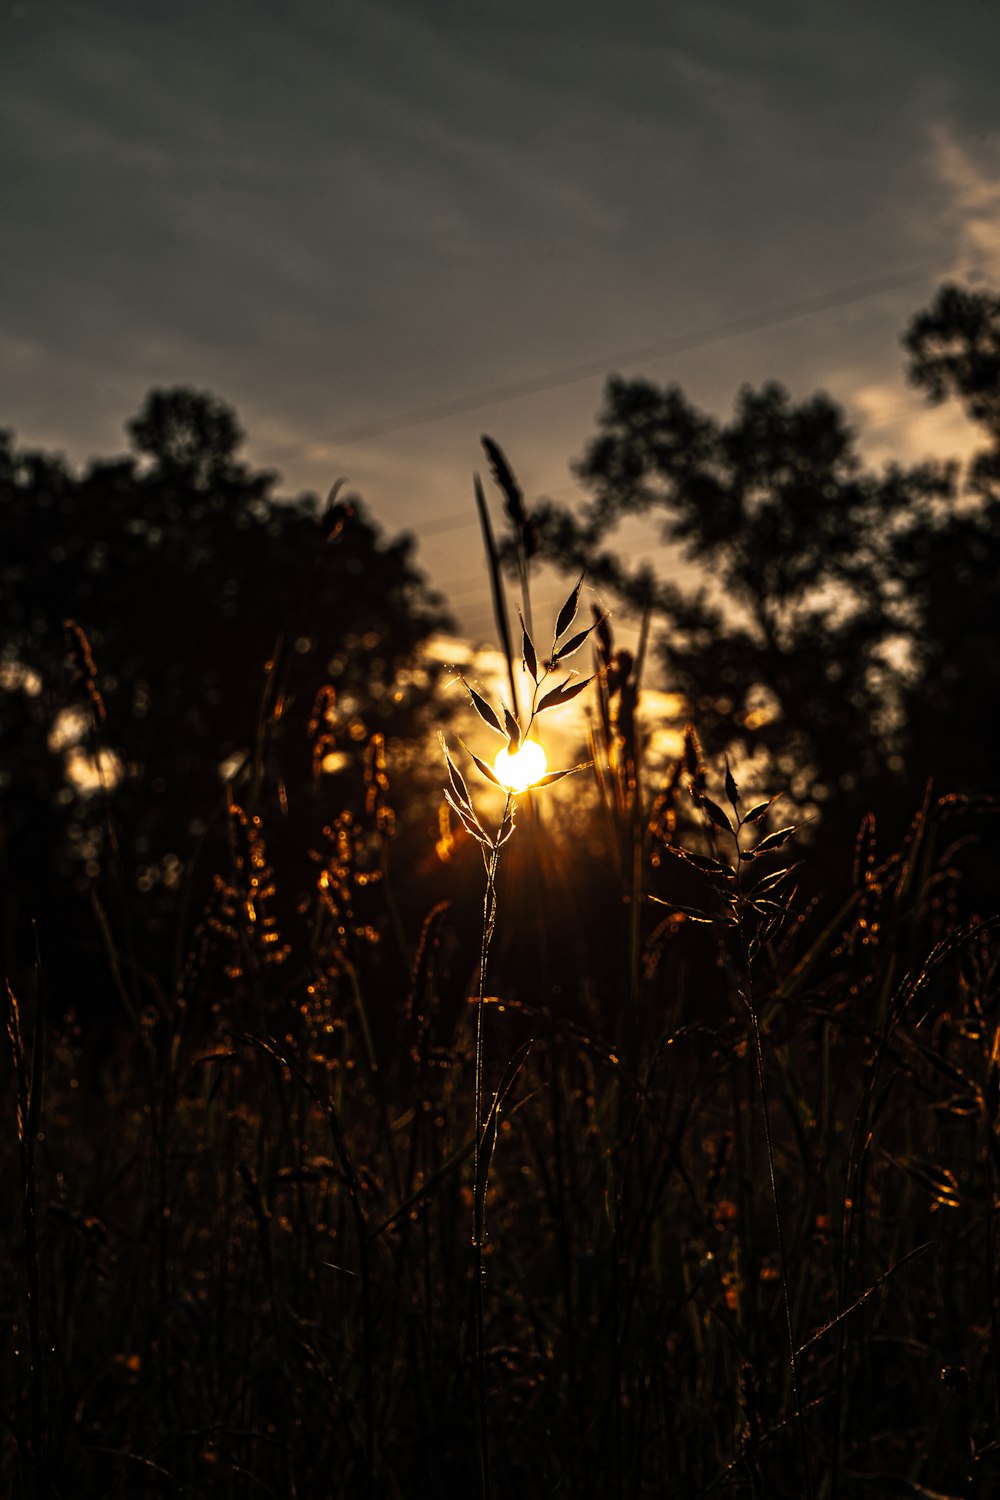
950	566
191	439
186	573
841	626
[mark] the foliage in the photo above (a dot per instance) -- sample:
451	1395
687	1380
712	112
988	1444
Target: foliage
839	621
195	594
247	1245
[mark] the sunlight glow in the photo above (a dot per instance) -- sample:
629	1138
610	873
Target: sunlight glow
88	773
518	772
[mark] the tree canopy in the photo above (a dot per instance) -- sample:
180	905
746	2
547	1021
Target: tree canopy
141	602
836	622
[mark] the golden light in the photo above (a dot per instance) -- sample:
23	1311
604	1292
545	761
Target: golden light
519	771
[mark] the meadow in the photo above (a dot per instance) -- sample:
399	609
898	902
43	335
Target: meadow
645	1166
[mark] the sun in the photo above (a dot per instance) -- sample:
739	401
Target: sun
520	771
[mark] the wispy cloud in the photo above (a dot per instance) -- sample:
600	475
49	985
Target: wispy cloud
969	173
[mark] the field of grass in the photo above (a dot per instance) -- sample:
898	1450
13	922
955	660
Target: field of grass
686	1187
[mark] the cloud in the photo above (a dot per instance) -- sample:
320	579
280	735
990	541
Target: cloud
969	173
330	214
903	428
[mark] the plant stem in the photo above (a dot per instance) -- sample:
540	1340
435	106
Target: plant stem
28	1099
748	1001
479	1214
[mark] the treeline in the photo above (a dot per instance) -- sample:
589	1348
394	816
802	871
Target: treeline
844	632
167	615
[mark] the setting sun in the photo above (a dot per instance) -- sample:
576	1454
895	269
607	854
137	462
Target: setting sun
520	771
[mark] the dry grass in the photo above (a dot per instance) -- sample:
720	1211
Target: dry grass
742	1201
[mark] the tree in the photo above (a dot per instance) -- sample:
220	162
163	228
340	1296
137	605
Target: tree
835	609
950	567
186	574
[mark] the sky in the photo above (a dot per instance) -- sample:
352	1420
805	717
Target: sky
378	228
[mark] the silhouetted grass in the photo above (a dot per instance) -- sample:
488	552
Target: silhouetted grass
741	1234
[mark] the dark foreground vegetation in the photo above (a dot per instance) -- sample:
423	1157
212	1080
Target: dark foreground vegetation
623	1138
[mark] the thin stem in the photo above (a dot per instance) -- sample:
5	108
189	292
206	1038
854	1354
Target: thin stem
479	1214
991	1287
860	1144
748	1001
28	1108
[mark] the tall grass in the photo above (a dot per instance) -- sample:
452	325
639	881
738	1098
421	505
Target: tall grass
740	1189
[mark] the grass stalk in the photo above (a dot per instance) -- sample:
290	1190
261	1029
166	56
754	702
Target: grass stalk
28	1097
479	1205
758	1045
